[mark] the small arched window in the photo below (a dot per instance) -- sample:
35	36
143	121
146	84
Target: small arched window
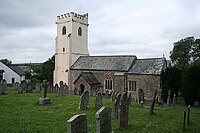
80	31
64	30
63	49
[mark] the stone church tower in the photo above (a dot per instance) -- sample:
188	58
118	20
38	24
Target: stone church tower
71	43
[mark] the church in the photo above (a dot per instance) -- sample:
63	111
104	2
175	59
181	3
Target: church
80	71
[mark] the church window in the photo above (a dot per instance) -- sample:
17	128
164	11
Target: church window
63	49
132	85
108	83
64	30
80	31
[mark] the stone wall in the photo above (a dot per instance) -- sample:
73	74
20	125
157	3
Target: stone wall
149	83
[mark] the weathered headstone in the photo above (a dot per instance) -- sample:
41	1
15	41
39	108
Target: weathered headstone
29	87
141	96
66	88
44	100
98	101
38	87
113	96
20	89
3	88
24	85
125	101
153	103
77	124
56	87
116	104
61	89
103	120
168	98
84	100
107	93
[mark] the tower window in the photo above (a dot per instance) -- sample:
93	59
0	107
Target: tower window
64	30
80	31
63	49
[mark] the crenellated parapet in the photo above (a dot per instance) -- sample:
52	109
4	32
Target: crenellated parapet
74	17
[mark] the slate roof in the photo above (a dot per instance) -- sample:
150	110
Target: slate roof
18	70
147	66
113	63
89	77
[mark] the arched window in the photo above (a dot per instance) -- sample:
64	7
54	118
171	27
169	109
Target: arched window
108	83
63	49
64	30
80	31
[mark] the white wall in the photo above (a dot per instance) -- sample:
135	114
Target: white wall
9	74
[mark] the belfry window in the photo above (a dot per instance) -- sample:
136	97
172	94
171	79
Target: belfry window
63	49
64	30
80	31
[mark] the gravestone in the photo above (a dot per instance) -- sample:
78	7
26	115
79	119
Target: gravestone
24	85
125	101
56	87
174	101
3	88
61	89
153	103
103	120
116	104
84	100
98	101
38	87
65	88
77	124
113	96
29	87
107	93
168	98
141	96
44	100
20	89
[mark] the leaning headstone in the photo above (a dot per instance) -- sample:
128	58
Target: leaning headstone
113	96
153	103
38	87
98	101
84	100
125	101
103	120
3	89
77	124
44	100
116	104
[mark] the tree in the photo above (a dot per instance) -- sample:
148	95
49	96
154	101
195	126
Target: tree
170	80
185	52
6	62
47	69
191	87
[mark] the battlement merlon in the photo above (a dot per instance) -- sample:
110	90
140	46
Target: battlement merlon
75	17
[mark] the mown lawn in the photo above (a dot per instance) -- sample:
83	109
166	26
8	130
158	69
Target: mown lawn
20	113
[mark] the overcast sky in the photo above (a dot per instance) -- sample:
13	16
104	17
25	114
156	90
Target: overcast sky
145	28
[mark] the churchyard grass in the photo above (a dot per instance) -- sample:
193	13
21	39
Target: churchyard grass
21	113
